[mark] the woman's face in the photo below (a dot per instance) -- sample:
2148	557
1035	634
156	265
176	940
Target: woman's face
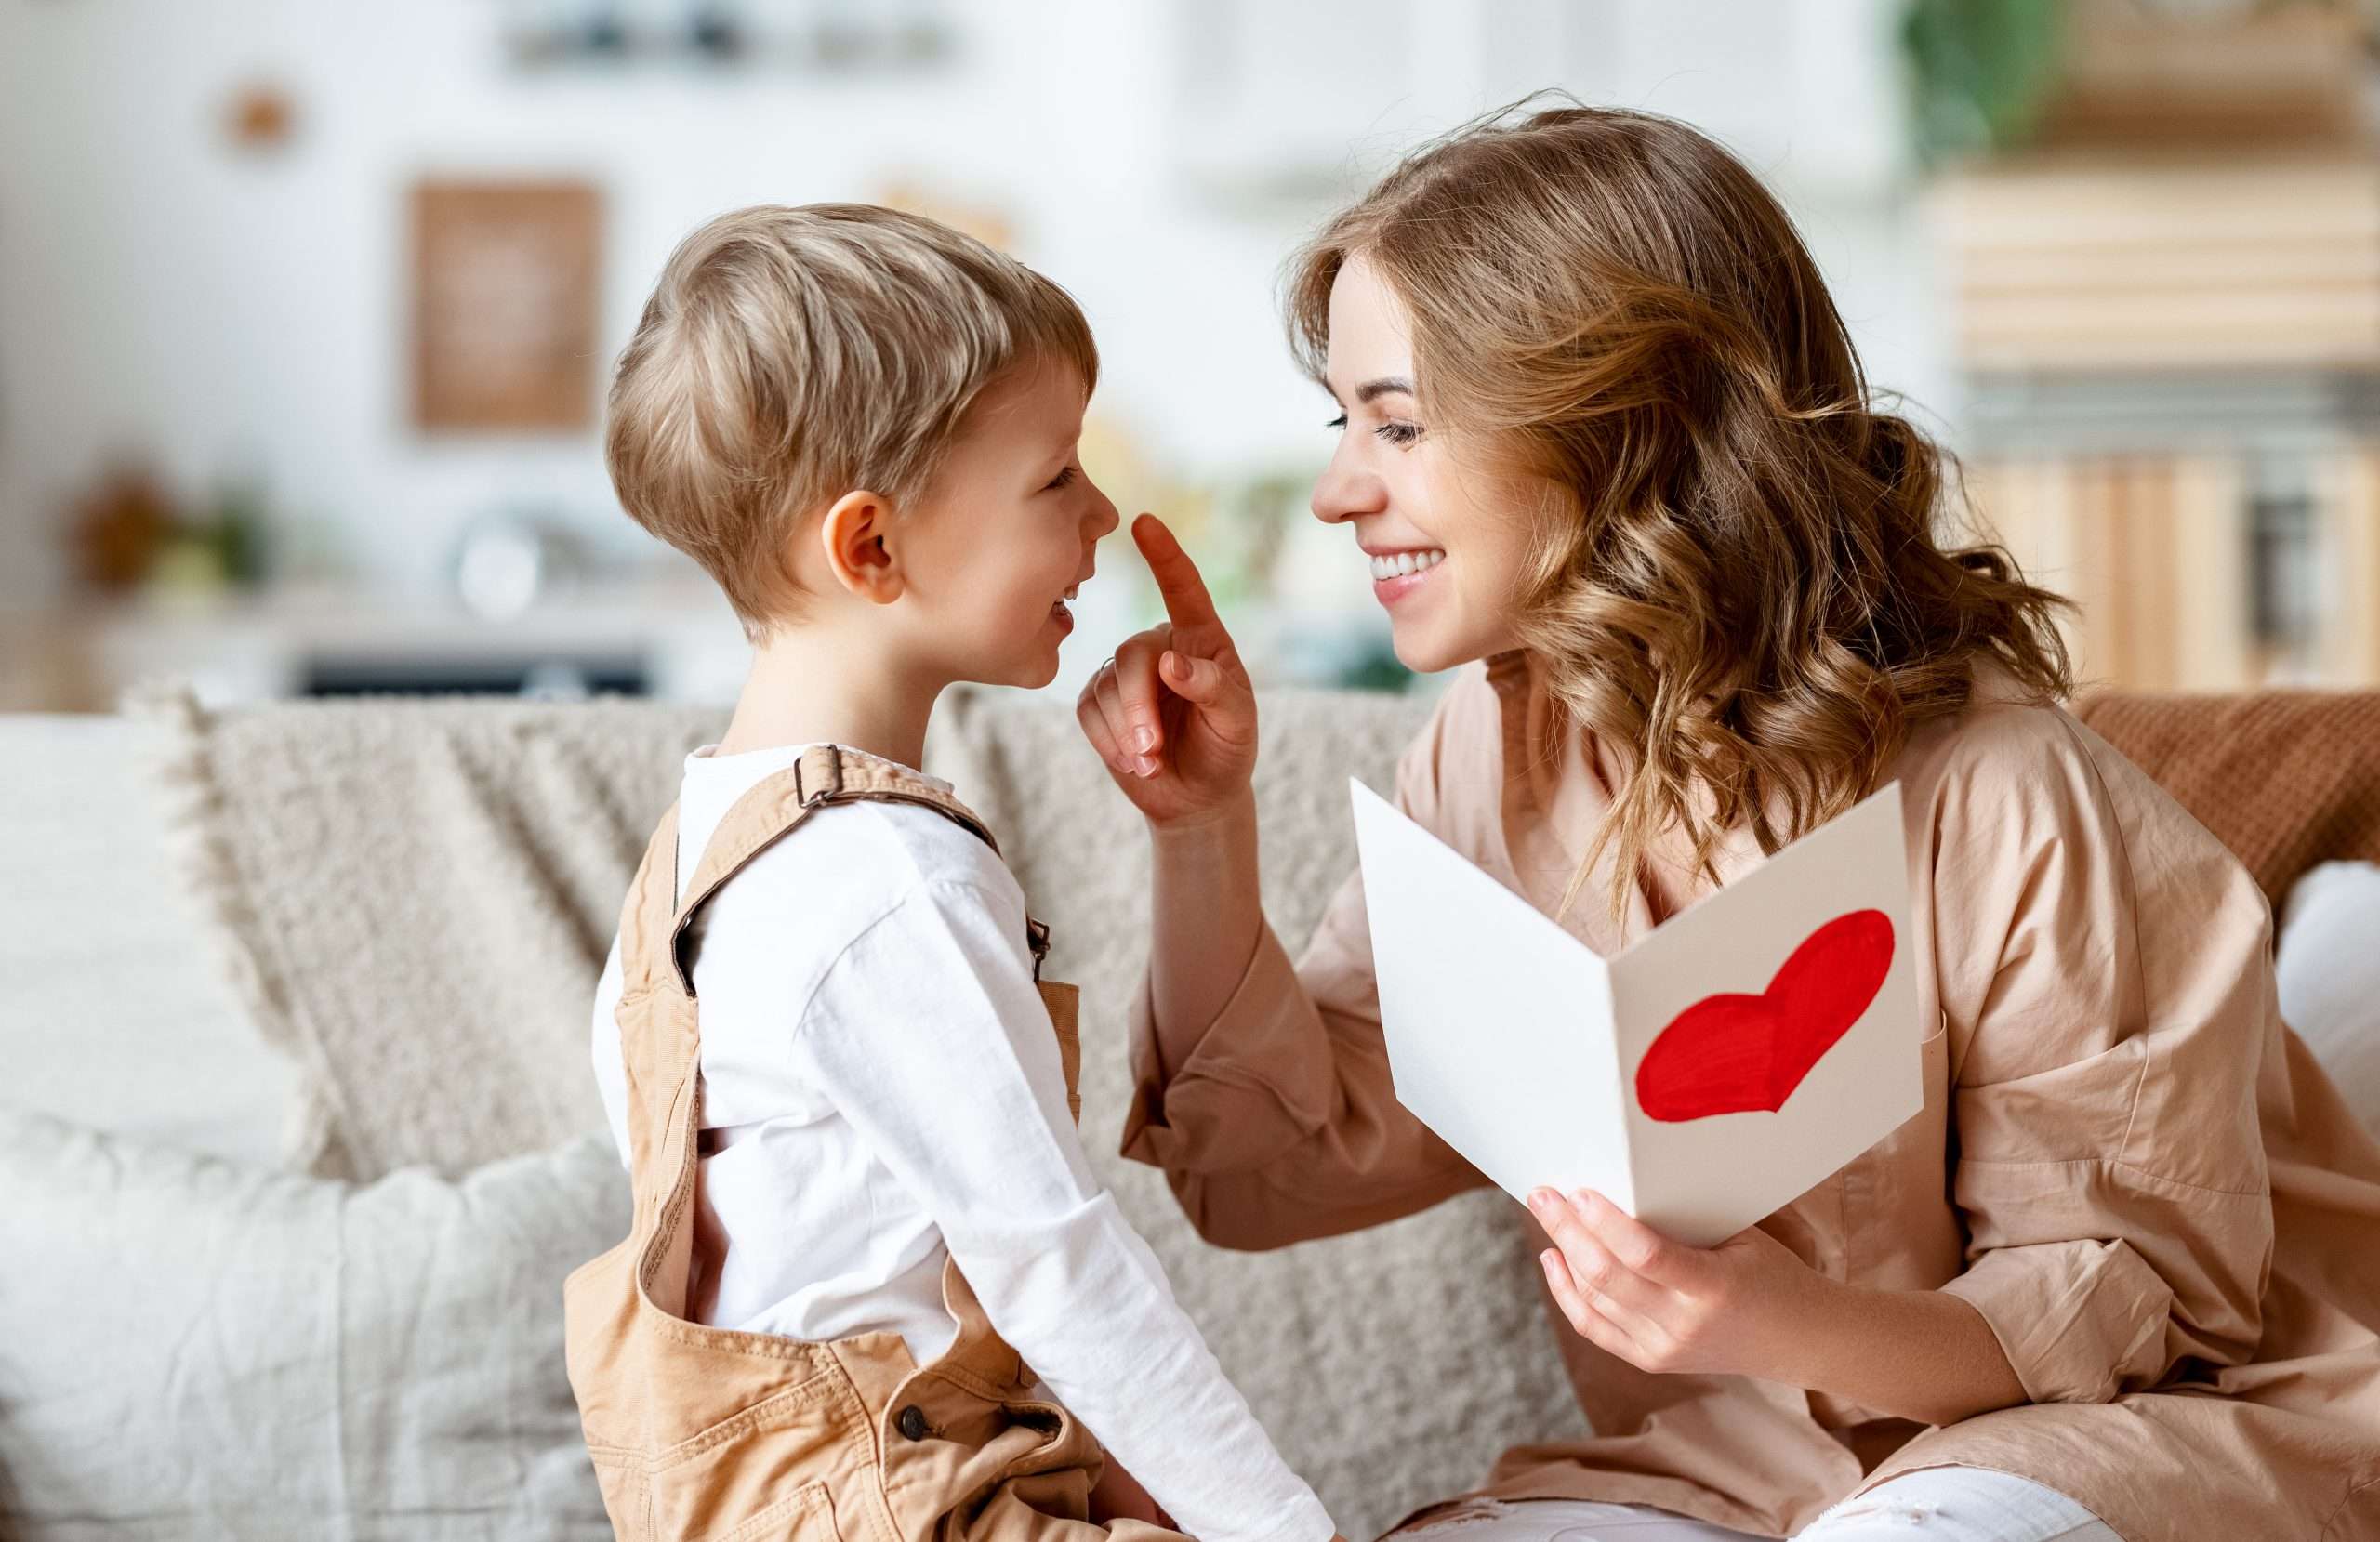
1446	536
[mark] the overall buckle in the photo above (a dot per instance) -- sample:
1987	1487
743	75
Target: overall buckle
817	775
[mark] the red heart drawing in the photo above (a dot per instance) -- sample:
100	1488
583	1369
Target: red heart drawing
1727	1054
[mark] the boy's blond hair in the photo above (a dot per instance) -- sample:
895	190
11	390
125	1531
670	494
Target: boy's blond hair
790	355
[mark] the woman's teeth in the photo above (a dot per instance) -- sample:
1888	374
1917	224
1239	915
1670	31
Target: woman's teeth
1398	564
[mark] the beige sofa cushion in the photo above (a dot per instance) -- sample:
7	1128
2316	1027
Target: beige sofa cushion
2329	977
195	1349
116	1014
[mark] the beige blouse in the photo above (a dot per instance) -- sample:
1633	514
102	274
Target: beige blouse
2126	1161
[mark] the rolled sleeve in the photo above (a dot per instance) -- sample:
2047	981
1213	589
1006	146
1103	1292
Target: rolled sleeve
2077	1320
1283	1123
1250	1092
2080	1322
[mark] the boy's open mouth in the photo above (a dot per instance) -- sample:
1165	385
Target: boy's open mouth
1058	611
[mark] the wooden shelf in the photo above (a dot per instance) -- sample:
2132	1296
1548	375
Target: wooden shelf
2083	263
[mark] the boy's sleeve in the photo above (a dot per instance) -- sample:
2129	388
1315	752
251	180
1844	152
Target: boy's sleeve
929	1035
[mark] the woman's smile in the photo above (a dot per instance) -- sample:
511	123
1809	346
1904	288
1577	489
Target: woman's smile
1399	574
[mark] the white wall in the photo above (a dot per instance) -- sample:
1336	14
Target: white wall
218	310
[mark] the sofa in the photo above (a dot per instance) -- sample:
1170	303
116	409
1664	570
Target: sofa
297	1135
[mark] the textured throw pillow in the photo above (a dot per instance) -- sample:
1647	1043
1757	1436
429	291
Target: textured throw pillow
2328	968
194	1348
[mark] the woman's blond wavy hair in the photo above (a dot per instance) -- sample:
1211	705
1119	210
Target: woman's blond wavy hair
1745	598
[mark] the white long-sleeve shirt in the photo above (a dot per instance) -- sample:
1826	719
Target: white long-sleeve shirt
882	1090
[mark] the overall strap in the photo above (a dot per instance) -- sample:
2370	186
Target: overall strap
652	902
777	806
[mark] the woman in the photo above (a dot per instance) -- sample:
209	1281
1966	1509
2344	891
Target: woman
1604	434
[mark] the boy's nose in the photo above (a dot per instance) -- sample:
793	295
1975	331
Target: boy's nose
1104	517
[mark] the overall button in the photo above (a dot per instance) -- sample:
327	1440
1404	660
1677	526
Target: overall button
911	1422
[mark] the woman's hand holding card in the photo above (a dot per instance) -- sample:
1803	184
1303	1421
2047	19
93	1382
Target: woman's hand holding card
1737	1309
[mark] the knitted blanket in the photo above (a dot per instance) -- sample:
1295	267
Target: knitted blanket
2286	779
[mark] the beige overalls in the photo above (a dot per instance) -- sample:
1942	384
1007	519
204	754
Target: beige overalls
708	1433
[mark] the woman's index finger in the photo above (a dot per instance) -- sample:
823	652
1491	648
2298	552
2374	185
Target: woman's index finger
1178	581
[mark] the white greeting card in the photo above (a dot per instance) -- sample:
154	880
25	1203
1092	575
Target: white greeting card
1712	1071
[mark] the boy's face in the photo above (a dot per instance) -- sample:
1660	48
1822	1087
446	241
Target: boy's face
1004	533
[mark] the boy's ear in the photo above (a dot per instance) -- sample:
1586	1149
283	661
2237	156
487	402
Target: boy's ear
857	537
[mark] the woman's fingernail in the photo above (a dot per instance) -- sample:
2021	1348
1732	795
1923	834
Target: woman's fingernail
1145	738
1145	765
1540	1198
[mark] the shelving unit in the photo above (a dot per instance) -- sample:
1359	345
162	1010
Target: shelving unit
2173	369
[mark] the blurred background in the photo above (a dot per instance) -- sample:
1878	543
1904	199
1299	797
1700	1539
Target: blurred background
306	309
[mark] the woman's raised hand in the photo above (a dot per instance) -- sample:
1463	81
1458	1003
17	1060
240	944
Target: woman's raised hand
1172	713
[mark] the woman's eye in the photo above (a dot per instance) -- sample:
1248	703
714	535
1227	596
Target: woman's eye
1399	434
1065	477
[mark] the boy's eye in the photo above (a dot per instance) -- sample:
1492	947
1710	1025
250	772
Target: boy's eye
1066	476
1338	422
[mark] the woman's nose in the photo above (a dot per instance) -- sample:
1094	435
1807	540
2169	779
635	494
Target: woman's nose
1344	491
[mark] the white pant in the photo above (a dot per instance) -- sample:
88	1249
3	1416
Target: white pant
1935	1504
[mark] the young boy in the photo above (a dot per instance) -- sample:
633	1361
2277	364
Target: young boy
840	1087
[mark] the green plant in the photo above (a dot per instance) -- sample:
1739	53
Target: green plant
1980	72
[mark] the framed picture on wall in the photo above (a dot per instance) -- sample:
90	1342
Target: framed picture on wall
505	297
